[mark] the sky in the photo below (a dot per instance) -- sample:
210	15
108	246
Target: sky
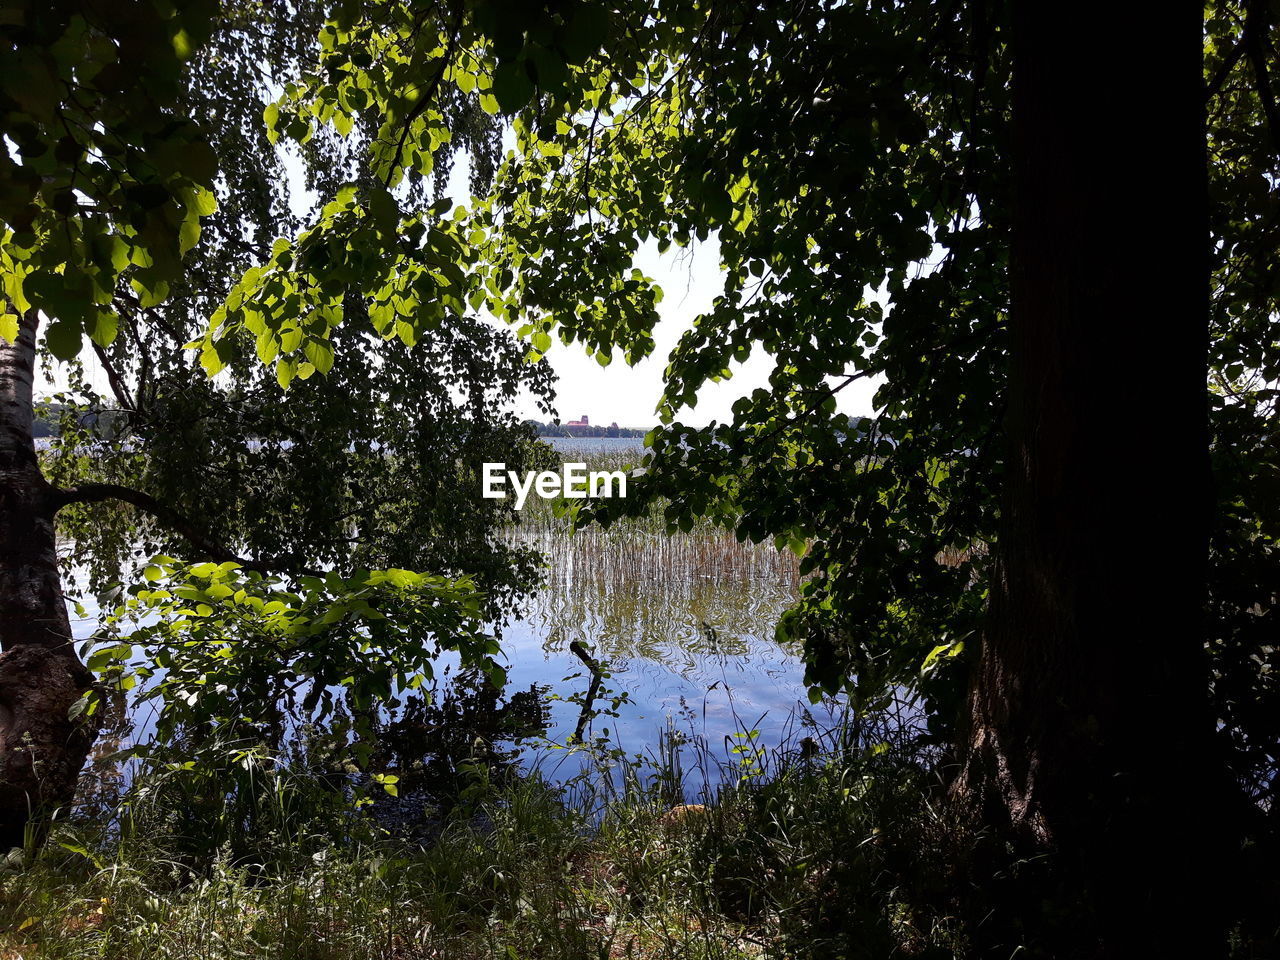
690	279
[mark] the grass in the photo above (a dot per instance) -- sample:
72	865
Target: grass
787	857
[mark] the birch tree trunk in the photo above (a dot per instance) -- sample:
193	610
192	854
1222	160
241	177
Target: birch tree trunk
41	748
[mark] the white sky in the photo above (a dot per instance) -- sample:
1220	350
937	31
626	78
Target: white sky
690	279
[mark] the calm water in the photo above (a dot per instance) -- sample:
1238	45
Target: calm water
684	624
588	445
685	627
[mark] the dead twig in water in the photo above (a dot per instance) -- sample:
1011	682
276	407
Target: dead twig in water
579	650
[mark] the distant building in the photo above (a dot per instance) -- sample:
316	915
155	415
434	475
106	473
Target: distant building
584	422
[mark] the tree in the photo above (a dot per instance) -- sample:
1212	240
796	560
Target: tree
854	162
40	676
75	89
1090	688
126	222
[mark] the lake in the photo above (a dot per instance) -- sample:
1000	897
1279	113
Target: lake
684	625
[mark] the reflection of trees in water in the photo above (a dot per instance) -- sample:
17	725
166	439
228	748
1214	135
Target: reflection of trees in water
632	593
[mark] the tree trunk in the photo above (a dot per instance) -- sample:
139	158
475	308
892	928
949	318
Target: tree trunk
41	748
1090	737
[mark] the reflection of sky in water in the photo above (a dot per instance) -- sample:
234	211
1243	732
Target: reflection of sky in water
686	626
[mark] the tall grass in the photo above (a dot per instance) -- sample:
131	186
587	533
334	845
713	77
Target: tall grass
786	857
634	590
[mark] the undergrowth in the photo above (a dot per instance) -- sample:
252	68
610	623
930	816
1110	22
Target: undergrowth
795	852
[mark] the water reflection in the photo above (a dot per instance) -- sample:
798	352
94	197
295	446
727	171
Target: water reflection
685	623
670	599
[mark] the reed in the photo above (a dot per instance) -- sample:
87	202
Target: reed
634	584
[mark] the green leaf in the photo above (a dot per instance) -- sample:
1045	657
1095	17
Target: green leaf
585	31
204	201
271	117
151	293
512	86
63	339
103	327
320	354
267	346
188	234
943	651
211	359
383	209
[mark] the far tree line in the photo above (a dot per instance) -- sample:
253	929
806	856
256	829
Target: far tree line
555	428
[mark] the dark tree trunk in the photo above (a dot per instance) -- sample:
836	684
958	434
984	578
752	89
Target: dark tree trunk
41	748
1090	738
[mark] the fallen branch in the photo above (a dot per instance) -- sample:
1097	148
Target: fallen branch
579	650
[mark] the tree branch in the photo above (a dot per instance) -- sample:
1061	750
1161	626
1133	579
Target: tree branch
1224	70
1256	26
428	97
178	522
579	650
114	379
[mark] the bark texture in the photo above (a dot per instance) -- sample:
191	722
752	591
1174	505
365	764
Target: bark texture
41	748
1090	736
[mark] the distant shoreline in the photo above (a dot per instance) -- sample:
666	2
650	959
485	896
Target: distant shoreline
593	430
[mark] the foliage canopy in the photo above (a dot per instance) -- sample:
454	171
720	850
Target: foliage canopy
847	160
